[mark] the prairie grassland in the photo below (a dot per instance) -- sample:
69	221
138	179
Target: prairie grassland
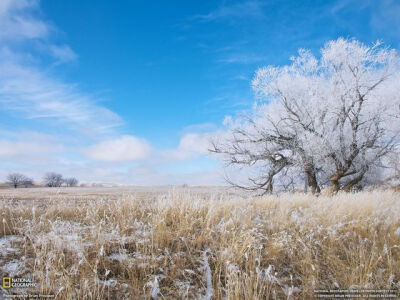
192	245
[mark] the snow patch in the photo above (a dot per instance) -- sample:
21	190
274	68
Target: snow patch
397	232
14	267
118	256
6	244
208	275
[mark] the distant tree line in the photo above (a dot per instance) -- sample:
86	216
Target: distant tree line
50	179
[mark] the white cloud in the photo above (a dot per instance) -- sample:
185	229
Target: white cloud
196	143
20	148
63	53
31	55
35	95
200	127
241	58
17	20
26	87
244	9
125	148
389	11
191	145
149	176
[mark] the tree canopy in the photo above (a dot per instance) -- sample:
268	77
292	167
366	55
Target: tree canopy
331	120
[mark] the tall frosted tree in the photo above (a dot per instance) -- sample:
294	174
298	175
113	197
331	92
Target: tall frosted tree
330	119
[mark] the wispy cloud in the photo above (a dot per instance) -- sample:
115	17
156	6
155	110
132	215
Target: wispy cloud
17	20
32	89
125	148
34	95
241	58
26	87
245	9
27	146
389	11
62	53
12	149
382	17
200	128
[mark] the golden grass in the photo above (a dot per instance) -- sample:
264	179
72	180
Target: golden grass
190	245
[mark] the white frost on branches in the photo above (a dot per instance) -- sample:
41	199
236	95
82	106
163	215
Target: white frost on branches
332	120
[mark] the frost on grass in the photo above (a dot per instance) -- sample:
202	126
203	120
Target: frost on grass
256	248
267	274
155	287
119	257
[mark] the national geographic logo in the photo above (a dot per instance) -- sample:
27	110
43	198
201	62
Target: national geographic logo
9	282
6	282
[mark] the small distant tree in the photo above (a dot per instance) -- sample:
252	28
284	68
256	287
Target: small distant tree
16	179
71	181
53	179
27	182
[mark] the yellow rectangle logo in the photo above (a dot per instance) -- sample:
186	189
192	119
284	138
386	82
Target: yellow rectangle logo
6	282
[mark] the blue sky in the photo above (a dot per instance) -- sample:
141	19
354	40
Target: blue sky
131	91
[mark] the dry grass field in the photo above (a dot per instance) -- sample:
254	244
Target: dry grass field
197	244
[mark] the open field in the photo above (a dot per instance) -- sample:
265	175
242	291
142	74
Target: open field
197	243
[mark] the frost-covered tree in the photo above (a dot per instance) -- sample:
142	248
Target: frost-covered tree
71	181
52	179
16	179
27	182
332	119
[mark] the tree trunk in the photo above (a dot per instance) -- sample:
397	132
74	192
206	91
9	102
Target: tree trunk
270	184
270	187
305	184
335	186
312	181
349	185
